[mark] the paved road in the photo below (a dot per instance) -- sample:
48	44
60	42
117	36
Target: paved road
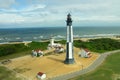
86	70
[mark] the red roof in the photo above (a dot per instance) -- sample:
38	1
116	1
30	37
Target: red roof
86	50
37	50
40	73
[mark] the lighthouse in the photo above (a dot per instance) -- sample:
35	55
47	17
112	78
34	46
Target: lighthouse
69	43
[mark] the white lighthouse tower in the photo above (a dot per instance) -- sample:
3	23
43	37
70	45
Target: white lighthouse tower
69	48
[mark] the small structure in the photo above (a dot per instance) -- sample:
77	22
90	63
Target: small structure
41	75
85	53
37	53
53	45
59	50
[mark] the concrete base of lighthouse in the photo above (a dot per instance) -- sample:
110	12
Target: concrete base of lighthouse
69	54
69	61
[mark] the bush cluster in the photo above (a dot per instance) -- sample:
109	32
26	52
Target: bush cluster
98	45
38	45
8	49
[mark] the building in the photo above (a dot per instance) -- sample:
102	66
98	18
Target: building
85	53
52	44
59	50
41	75
37	53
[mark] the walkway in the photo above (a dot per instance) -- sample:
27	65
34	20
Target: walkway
86	70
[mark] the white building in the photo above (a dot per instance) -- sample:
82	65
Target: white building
85	53
53	45
41	76
59	50
37	53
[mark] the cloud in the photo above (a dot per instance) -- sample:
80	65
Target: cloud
10	18
19	19
6	3
34	7
55	11
26	9
107	18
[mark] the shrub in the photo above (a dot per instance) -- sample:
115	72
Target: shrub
98	45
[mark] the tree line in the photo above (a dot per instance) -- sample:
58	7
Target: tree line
98	45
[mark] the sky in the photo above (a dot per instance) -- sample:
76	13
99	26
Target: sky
52	13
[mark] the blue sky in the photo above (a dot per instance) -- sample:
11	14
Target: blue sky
40	13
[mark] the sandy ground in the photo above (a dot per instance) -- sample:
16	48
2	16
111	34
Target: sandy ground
53	65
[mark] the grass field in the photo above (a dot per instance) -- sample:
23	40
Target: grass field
109	70
15	55
6	74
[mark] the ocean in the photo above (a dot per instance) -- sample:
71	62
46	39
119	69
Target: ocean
43	33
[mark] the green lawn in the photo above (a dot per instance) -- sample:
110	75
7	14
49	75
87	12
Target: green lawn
15	55
109	70
6	74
